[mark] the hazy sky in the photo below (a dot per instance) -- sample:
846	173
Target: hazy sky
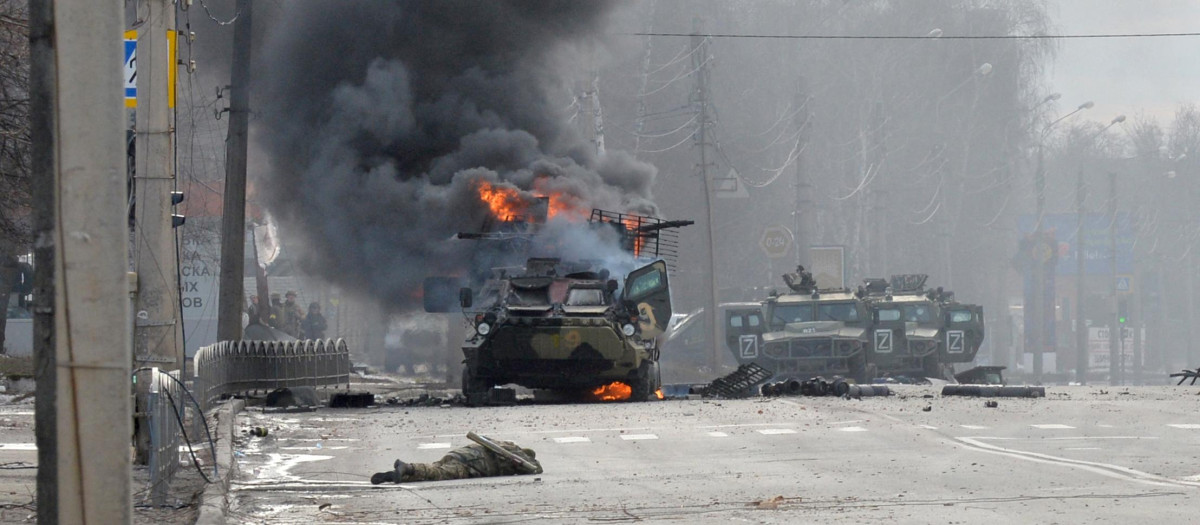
1131	76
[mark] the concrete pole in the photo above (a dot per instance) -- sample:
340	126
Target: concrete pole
233	215
83	349
1081	330
1036	315
712	316
1114	332
158	331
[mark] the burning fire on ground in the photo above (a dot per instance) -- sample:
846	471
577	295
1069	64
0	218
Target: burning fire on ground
615	391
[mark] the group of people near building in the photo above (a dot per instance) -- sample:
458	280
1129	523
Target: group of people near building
286	315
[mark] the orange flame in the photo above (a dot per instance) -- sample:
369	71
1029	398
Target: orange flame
659	393
615	391
631	225
505	203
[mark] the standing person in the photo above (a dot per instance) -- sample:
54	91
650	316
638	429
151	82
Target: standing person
275	320
291	315
314	324
252	311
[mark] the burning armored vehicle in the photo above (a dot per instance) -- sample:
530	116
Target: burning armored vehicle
569	327
589	324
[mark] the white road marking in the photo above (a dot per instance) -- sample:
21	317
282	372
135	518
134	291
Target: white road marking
18	446
1082	448
852	429
927	427
973	427
1185	426
572	439
427	446
848	422
1104	469
1104	426
586	430
309	449
774	431
747	425
637	437
718	434
1053	426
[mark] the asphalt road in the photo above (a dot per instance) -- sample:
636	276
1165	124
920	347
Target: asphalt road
1084	454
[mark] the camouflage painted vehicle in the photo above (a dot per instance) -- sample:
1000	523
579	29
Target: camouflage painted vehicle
805	333
568	327
918	332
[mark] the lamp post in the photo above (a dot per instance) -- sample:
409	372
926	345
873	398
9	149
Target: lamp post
1081	336
1038	302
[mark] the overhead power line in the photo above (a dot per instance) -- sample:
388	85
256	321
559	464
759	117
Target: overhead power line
917	37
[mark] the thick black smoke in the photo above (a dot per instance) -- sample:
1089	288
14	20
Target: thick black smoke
380	119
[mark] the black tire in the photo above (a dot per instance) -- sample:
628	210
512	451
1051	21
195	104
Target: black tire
646	382
473	384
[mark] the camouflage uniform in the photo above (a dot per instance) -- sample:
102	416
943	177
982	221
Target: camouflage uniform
471	461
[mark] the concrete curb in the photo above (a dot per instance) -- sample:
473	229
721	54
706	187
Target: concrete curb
214	502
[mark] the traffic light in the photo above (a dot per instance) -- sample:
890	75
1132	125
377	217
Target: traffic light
176	219
1122	310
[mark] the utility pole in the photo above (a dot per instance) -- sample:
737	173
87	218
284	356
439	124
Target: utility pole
1114	333
1036	303
1081	330
700	65
233	214
804	212
158	331
82	343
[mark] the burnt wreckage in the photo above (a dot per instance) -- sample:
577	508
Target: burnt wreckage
883	328
570	325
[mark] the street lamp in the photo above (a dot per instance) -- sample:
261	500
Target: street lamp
1037	304
1081	336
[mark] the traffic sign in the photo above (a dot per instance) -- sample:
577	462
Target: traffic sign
130	71
776	241
1124	284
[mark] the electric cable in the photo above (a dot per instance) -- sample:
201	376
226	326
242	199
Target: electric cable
195	462
200	412
918	37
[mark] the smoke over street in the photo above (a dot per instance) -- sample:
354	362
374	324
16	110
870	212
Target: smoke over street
383	120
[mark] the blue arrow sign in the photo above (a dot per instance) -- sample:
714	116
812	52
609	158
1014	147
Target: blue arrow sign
1122	284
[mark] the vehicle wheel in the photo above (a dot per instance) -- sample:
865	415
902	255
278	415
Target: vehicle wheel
646	382
473	384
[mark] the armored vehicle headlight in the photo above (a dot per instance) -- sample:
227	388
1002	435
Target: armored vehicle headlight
628	330
483	328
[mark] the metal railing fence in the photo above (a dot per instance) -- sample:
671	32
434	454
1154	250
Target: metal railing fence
167	408
243	366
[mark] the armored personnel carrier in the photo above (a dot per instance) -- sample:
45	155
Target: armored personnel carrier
567	326
918	332
804	333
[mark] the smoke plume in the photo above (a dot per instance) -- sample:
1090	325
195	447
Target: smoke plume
381	119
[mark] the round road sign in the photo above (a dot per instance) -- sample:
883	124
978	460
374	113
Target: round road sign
776	241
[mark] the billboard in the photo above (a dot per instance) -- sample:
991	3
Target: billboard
828	266
1097	250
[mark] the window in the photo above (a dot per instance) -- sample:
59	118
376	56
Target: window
735	321
791	313
645	284
891	314
585	297
918	313
754	320
838	312
960	316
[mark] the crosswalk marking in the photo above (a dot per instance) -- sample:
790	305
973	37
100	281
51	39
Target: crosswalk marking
637	437
852	429
427	446
774	431
718	434
1185	426
928	427
572	439
973	427
1053	426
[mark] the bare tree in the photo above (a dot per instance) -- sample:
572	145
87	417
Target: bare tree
14	146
